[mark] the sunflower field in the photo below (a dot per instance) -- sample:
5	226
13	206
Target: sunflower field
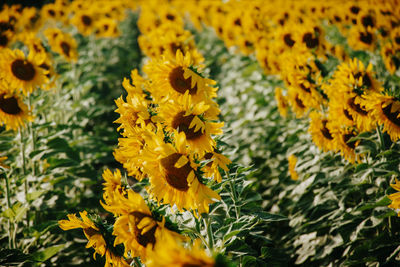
200	133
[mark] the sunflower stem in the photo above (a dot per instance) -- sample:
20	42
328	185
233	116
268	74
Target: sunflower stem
233	194
10	241
210	237
33	136
24	171
137	262
381	140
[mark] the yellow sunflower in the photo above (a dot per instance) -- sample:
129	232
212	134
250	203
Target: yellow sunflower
112	185
133	112
170	252
135	226
395	198
65	45
173	177
342	143
297	105
106	27
216	161
171	79
94	236
185	116
84	20
320	131
386	110
13	112
292	159
2	159
281	102
21	72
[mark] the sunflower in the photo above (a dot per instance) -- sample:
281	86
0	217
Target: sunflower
388	54
94	236
281	102
6	38
297	105
185	116
386	110
320	131
395	198
173	175
84	20
215	162
2	159
21	72
13	112
65	45
341	142
133	112
170	252
292	159
112	185
171	79
106	27
129	152
135	226
361	38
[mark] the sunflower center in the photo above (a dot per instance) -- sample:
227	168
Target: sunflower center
347	114
179	83
65	48
367	21
324	130
366	37
9	105
3	40
90	231
397	39
182	123
174	47
148	237
366	80
51	12
310	41
356	107
392	116
355	9
86	20
23	70
288	40
176	177
346	138
299	102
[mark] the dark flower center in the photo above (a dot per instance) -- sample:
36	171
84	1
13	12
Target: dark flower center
393	117
397	40
9	105
238	22
176	177
368	21
324	130
86	20
288	40
170	17
148	237
356	107
355	9
179	83
347	137
90	231
366	37
51	12
182	122
23	70
310	41
299	102
65	48
3	40
347	114
366	80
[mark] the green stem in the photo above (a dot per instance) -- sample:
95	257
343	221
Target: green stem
10	241
207	224
233	194
382	141
24	172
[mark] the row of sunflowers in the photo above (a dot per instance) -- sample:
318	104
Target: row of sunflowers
175	198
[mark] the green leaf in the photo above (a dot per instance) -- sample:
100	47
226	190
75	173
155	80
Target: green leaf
47	253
